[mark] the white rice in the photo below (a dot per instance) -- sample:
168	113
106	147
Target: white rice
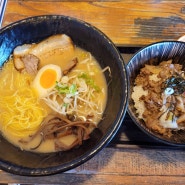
138	91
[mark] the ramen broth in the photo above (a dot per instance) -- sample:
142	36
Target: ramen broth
86	63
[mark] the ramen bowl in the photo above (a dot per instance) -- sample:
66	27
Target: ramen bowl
152	55
86	36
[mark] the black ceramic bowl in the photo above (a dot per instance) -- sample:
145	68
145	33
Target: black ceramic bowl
84	35
154	54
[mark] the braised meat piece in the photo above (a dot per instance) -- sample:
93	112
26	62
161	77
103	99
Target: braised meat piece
28	63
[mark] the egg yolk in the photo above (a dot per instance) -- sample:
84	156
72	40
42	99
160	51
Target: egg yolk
48	78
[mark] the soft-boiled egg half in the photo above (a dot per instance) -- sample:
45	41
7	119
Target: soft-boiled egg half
46	78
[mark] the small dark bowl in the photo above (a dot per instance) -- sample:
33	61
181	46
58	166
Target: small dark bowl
158	52
84	35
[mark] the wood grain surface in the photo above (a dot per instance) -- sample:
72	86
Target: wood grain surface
118	166
132	158
127	23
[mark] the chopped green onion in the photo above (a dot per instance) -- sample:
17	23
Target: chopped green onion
73	89
89	81
65	89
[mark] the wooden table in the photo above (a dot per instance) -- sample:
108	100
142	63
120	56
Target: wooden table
132	157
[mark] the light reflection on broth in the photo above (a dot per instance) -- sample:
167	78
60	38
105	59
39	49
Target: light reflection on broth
86	64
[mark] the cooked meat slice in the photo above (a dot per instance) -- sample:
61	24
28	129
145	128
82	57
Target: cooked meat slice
60	45
72	64
18	63
30	63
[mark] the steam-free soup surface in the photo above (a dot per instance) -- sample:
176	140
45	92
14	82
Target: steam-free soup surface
36	118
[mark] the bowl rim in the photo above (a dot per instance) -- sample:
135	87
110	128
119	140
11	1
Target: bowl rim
131	113
26	171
